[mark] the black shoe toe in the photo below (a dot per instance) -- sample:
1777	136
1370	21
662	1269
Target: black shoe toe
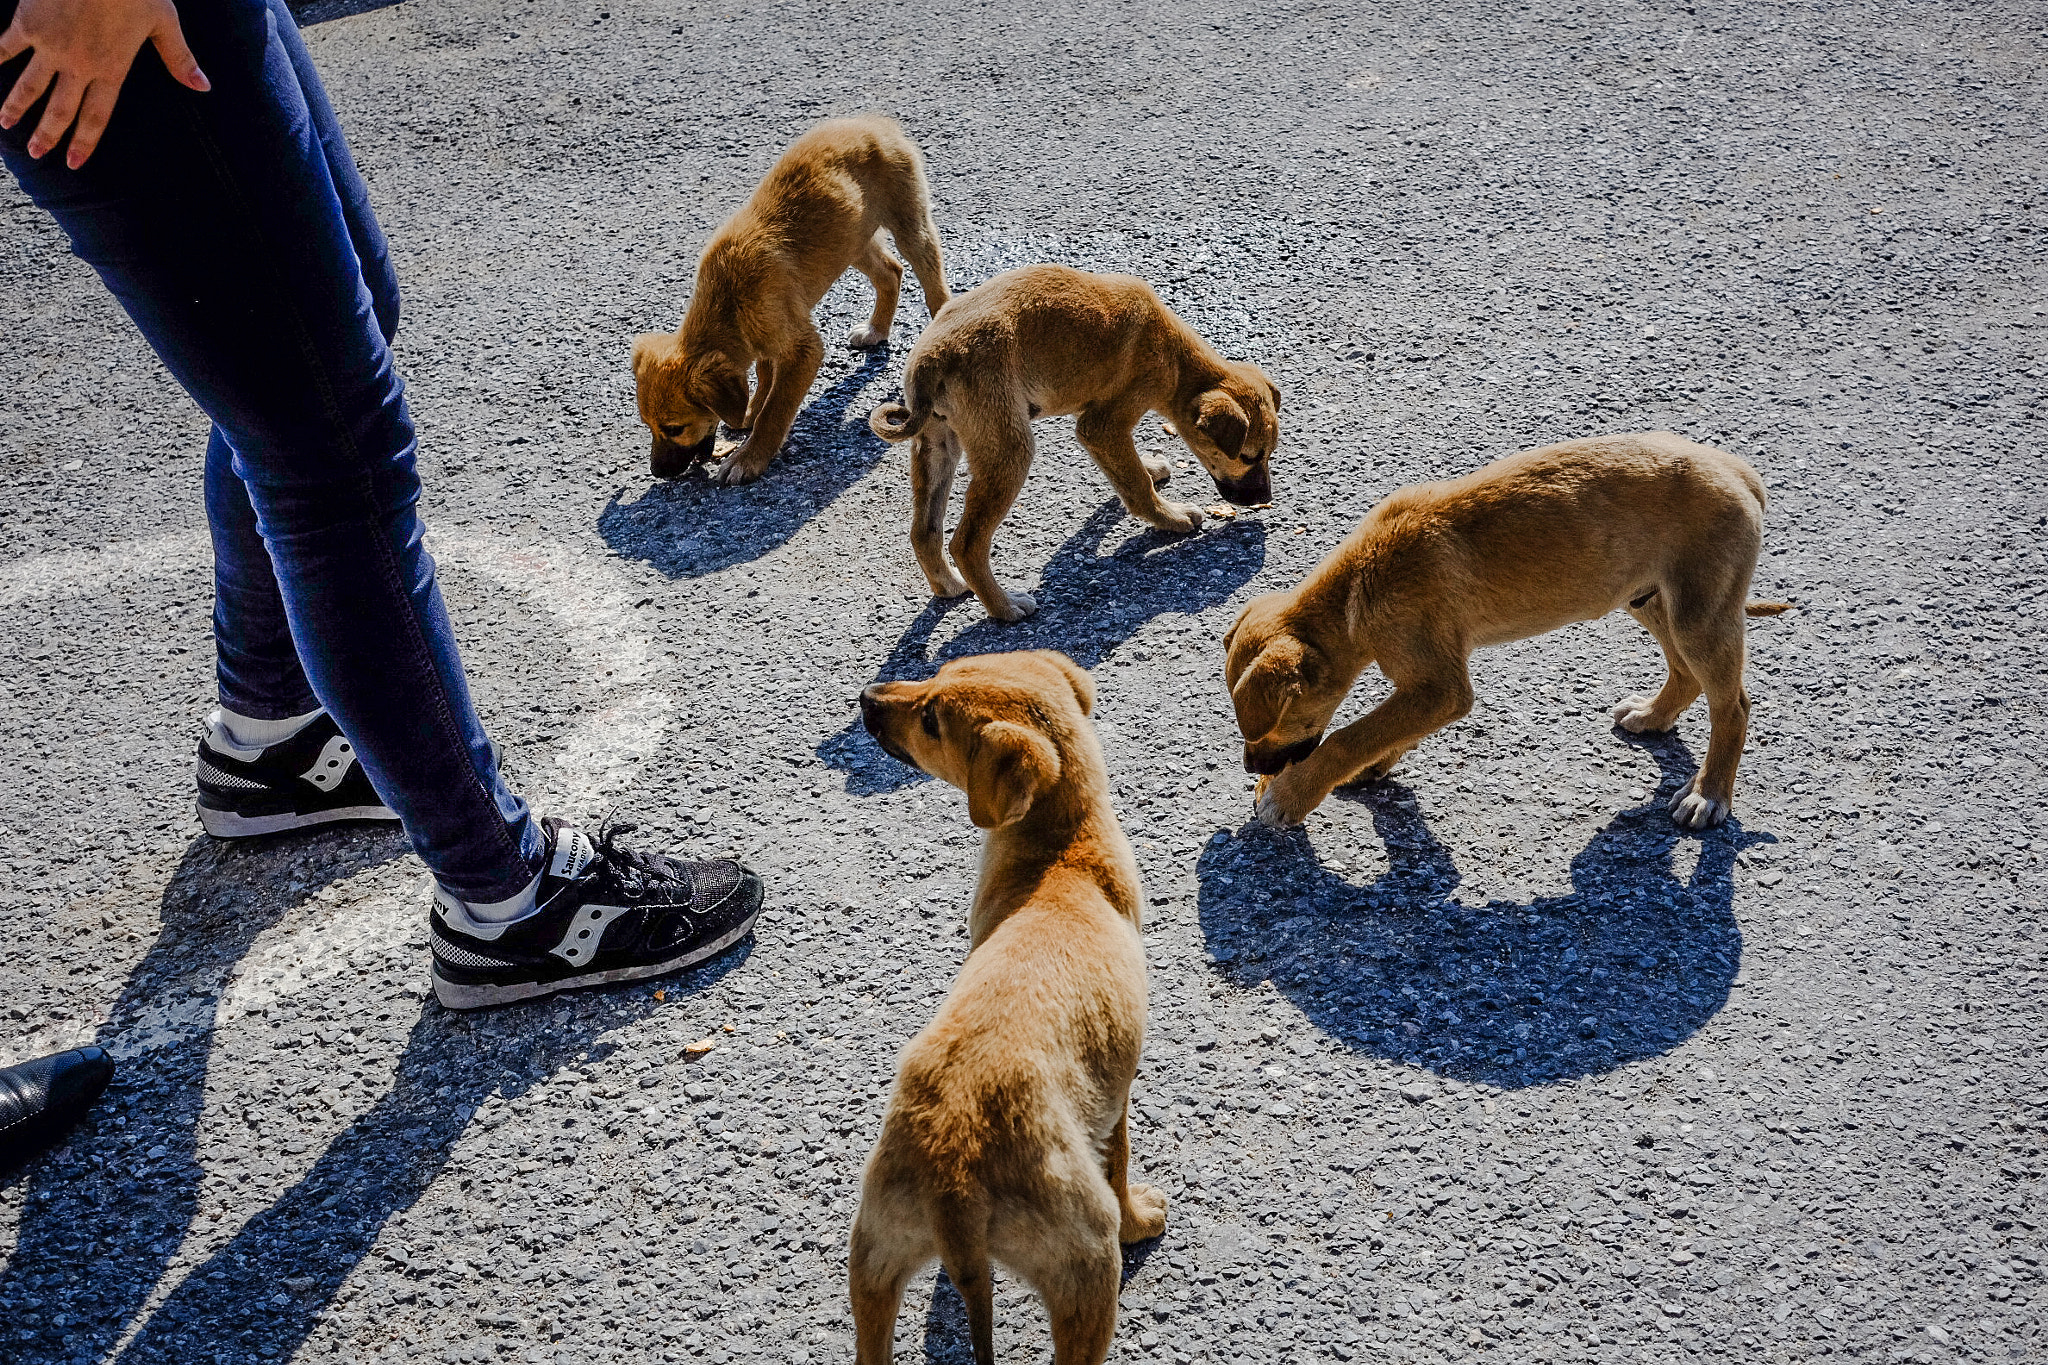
40	1100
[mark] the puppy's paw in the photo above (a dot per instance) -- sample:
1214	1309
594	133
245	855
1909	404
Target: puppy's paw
955	586
1690	810
1144	1214
738	467
1160	472
1020	605
867	338
1282	804
1181	516
1638	714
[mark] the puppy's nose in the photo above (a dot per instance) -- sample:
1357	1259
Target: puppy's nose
870	706
1255	487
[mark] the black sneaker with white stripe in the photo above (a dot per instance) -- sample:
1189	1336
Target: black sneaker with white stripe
603	914
312	778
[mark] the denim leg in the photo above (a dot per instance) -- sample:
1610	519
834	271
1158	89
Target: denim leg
255	660
217	222
373	253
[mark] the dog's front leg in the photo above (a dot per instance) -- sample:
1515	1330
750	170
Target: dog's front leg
764	384
1106	435
1143	1207
792	376
1365	748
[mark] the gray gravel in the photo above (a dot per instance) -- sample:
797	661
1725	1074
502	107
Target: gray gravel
1488	1060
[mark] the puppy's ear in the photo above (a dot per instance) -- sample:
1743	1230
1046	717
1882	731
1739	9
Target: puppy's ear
1276	394
1231	634
1010	767
1077	678
1268	688
721	386
1222	421
651	349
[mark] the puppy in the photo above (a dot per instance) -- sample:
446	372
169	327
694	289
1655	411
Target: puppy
1650	522
1047	341
817	214
1006	1138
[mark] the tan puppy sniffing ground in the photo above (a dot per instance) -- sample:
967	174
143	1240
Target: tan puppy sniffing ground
819	213
1651	522
1049	341
1006	1138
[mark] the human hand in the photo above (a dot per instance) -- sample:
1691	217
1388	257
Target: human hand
83	51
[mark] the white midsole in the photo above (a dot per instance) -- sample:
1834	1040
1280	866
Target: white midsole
463	997
225	824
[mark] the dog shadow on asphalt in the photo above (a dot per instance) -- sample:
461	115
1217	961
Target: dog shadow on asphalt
268	1284
1090	604
691	527
1630	963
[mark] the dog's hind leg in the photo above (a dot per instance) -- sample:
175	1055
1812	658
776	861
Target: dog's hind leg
1002	449
876	1274
910	223
1711	644
934	460
1078	1277
1681	688
886	274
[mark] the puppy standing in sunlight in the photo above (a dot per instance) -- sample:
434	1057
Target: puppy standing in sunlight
1651	522
1049	341
1006	1138
819	213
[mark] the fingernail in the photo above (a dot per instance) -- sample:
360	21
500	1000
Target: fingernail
204	84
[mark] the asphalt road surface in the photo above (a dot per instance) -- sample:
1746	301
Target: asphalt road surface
1489	1062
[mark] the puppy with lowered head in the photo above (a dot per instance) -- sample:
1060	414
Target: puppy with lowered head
820	212
1651	522
1006	1138
1049	341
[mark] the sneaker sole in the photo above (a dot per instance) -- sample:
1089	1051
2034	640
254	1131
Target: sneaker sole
461	996
225	824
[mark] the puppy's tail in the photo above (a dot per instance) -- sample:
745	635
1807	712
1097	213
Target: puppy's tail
901	421
961	1230
1766	608
897	422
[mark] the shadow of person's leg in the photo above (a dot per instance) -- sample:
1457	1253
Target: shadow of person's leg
107	1211
316	1232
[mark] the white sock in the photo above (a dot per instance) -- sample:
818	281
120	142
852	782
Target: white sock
246	732
505	911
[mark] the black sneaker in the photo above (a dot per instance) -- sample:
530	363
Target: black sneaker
604	914
312	778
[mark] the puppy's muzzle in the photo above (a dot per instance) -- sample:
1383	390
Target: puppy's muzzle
1253	488
1266	765
871	721
667	460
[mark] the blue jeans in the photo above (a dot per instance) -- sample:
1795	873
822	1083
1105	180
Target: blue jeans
234	229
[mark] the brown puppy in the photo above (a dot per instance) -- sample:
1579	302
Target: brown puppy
818	214
1006	1137
1650	522
1047	341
